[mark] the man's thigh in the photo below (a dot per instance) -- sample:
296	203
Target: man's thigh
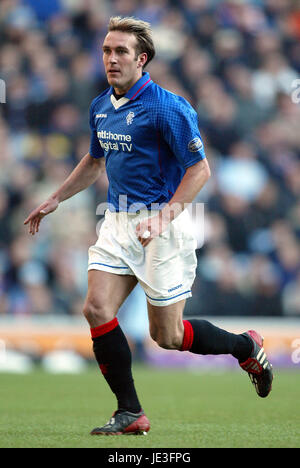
169	268
106	293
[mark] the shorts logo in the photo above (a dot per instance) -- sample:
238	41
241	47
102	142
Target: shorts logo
101	116
175	287
129	118
195	145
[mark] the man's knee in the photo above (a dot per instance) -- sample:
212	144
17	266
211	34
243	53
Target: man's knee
167	340
97	311
166	325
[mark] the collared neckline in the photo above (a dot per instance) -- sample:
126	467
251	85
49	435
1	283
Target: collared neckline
137	89
117	103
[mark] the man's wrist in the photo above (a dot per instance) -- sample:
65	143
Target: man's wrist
55	198
170	212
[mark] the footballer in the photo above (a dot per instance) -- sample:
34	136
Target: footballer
148	141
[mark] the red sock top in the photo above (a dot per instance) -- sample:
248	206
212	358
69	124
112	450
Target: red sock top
188	336
105	328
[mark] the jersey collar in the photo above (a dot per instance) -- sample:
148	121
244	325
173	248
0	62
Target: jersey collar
137	89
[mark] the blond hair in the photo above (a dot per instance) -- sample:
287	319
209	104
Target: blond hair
141	30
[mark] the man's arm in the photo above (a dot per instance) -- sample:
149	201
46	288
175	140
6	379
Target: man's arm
192	182
84	175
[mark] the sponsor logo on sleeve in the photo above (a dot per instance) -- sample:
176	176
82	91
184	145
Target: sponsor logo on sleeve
195	145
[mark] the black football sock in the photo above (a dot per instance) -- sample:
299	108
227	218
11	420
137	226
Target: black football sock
202	337
113	355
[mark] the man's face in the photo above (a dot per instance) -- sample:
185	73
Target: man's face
122	66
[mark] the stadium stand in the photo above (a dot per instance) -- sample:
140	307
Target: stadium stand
238	63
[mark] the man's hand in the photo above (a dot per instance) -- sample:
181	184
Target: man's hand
150	228
39	213
191	184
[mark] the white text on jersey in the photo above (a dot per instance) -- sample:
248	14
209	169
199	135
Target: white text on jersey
113	138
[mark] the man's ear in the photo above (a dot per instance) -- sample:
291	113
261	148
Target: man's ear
142	59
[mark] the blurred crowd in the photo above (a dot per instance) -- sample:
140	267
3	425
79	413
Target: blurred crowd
237	62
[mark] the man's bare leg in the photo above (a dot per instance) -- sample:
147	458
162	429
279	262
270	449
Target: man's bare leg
166	325
170	331
106	293
202	337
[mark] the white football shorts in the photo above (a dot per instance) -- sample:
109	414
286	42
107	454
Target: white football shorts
165	268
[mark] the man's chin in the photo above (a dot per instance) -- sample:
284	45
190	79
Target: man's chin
113	81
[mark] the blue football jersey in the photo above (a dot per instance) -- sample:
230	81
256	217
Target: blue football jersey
149	138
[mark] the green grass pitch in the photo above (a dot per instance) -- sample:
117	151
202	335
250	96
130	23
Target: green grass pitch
186	409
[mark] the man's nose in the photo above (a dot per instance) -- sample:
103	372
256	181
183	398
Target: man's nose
113	58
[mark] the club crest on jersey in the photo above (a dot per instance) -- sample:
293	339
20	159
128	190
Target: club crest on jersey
195	145
129	118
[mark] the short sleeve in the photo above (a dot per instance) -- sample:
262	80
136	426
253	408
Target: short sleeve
178	123
95	149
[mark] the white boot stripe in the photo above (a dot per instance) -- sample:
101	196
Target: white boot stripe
260	353
262	358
